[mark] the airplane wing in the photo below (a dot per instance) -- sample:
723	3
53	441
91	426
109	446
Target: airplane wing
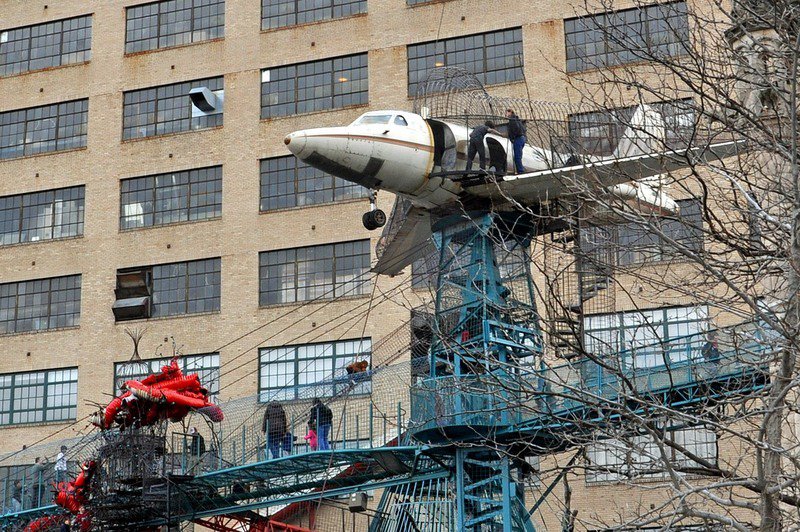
551	183
406	237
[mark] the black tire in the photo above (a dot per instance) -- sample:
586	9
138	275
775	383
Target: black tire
369	223
374	219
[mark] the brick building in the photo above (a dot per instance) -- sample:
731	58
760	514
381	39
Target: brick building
112	189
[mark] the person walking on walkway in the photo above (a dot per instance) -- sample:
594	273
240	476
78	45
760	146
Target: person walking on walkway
274	428
476	141
322	419
516	133
61	465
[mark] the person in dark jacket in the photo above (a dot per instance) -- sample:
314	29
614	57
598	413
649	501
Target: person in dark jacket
476	143
322	419
516	133
274	427
197	448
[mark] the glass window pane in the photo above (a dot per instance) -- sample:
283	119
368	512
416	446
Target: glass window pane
47	45
48	128
315	272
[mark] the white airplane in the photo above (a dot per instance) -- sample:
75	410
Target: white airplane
424	160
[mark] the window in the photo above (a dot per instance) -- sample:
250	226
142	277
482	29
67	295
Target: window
56	127
289	182
38	396
316	272
282	13
494	57
43	215
40	304
173	23
312	370
168	290
630	35
315	86
166	109
642	242
599	132
205	365
53	44
162	199
613	460
647	333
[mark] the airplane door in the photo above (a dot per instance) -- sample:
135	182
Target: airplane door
444	142
498	158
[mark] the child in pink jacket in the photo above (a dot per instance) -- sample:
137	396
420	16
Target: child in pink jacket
311	438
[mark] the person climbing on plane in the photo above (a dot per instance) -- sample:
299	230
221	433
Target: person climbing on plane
516	134
476	139
321	419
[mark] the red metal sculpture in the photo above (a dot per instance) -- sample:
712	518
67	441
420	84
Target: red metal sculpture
166	395
72	496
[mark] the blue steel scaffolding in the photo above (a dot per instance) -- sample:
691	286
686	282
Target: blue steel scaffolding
457	462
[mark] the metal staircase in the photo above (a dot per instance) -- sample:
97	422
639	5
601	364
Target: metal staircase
580	268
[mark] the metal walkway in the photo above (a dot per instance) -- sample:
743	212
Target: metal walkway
553	406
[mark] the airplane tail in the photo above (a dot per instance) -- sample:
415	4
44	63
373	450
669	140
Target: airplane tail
645	134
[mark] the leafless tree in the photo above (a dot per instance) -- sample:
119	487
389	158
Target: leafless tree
715	72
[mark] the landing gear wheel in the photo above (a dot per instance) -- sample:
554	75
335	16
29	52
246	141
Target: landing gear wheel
374	219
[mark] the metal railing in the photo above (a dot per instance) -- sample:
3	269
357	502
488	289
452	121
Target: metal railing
542	396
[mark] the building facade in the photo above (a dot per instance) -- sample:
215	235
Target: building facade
122	206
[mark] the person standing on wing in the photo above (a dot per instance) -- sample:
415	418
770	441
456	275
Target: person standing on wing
476	143
516	133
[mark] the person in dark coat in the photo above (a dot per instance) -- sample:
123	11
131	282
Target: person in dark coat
197	448
710	350
274	428
516	133
322	419
476	143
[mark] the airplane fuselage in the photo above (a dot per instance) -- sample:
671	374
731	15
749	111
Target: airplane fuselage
398	151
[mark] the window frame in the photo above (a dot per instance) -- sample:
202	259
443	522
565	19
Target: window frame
608	24
328	385
637	330
420	53
141	110
186	288
64	48
612	123
635	244
289	17
18	204
316	182
289	81
47	125
212	385
295	271
197	6
624	455
46	384
31	293
195	179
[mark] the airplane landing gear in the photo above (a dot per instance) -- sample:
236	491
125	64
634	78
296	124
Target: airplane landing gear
374	218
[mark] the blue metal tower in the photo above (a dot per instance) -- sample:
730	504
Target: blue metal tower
485	328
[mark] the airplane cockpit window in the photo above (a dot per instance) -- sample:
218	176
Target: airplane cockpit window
372	119
400	121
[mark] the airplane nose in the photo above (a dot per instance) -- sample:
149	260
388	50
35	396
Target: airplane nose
296	142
